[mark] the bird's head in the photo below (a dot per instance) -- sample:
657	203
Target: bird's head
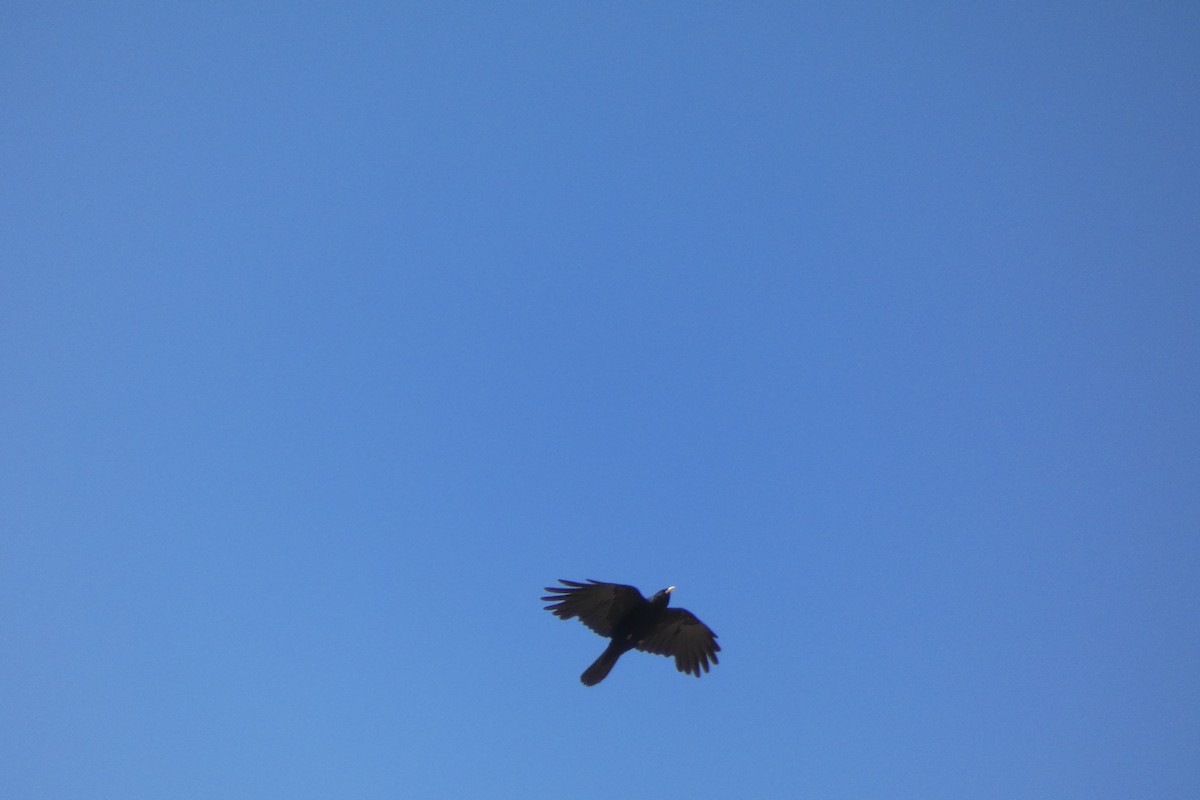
663	597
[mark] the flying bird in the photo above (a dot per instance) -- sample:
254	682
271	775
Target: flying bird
633	622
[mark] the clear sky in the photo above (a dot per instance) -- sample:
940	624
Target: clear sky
330	333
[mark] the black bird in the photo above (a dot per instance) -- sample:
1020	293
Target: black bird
631	621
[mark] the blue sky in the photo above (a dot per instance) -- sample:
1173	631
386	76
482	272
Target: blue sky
332	333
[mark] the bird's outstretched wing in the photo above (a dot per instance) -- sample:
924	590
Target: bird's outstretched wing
598	605
680	635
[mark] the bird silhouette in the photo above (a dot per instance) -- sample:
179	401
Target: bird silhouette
633	622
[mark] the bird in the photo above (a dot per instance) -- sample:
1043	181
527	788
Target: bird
633	622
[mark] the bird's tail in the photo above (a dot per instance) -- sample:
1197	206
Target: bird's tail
600	668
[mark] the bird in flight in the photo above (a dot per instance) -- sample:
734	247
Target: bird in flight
633	622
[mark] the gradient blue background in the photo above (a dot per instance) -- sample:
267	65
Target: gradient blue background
331	333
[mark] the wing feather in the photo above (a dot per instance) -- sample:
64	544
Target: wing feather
598	605
680	635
